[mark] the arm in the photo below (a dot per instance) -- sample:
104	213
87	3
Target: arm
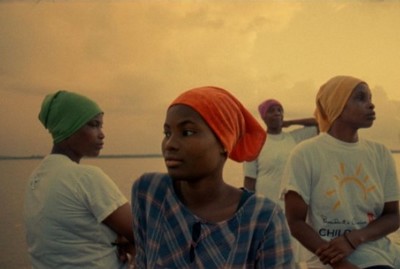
120	221
296	213
303	122
250	171
250	183
387	223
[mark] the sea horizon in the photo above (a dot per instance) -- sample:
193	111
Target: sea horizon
107	156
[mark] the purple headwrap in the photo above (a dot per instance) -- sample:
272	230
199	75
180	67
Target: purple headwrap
264	106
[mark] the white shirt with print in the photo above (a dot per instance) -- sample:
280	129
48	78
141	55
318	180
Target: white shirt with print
345	186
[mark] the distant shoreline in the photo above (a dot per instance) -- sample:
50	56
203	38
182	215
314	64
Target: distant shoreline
112	156
105	156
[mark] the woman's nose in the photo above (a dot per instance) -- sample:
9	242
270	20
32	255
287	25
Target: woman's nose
170	142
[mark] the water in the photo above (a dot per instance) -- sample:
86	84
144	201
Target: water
14	174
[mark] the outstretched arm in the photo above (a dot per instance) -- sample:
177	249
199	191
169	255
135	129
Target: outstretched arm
303	122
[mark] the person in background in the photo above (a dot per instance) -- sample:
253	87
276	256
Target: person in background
264	174
190	217
342	193
73	213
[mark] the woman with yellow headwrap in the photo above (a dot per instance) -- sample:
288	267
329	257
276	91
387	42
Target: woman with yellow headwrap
190	217
342	193
73	212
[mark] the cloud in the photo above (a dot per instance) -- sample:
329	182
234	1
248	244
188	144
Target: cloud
134	57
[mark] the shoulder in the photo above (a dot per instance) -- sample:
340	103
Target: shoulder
309	144
152	182
91	172
63	167
261	208
375	147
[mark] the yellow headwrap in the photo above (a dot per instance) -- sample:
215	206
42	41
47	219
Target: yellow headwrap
239	132
331	99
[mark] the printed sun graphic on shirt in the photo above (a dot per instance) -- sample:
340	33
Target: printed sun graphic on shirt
357	180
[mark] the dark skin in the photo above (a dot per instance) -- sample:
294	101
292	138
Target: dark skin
87	142
357	113
195	159
274	120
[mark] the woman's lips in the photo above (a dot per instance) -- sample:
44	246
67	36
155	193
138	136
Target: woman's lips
170	163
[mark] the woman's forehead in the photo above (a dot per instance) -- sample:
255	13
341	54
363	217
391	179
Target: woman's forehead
181	112
362	87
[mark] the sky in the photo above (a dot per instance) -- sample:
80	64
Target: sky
135	57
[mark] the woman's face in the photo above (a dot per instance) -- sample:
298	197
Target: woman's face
191	150
273	118
359	109
88	140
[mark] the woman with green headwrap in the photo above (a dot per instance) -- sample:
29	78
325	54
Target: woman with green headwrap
73	212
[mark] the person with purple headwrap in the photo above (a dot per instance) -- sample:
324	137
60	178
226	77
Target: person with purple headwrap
341	191
264	174
191	217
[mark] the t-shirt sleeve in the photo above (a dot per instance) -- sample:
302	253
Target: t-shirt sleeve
250	169
296	176
101	194
391	183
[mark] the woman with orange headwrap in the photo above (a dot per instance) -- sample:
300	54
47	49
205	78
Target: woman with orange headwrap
190	217
342	193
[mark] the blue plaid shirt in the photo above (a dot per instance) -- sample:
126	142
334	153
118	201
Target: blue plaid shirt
255	237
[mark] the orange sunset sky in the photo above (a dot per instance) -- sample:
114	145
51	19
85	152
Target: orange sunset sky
134	57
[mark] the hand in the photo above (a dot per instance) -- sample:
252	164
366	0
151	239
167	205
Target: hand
125	250
334	251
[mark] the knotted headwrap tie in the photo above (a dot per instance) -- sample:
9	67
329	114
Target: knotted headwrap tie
264	106
239	132
331	99
63	113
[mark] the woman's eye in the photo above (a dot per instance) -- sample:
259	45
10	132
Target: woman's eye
361	97
188	133
167	134
94	124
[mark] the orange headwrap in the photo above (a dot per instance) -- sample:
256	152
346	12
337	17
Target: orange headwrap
331	99
239	132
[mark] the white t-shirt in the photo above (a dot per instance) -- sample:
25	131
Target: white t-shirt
65	205
345	186
267	169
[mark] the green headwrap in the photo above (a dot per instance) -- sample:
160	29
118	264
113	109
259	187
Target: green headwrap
63	113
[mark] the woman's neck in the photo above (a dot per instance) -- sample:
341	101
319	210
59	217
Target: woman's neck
212	202
274	131
349	135
62	149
